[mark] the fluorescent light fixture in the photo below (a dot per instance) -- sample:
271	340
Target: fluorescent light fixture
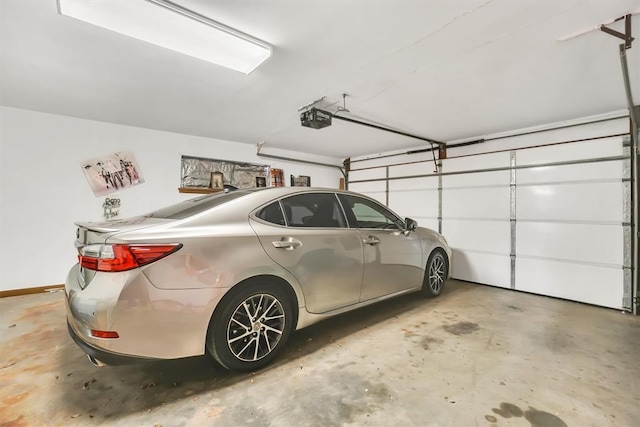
166	24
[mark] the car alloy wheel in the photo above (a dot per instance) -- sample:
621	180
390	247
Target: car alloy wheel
436	273
252	324
256	327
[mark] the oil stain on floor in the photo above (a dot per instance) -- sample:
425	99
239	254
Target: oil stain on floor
461	328
535	417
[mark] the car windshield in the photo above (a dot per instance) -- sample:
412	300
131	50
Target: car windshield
197	205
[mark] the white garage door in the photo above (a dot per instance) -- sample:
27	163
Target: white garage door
547	213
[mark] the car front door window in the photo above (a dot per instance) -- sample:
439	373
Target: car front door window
369	214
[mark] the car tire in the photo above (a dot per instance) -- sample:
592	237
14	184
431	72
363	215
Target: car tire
435	274
251	326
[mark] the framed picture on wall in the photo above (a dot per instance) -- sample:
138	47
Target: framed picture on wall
300	181
111	173
217	181
261	181
277	177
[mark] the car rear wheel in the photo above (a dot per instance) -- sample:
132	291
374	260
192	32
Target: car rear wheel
251	327
435	274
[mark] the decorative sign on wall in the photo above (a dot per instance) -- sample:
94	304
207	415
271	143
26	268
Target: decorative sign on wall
112	173
111	207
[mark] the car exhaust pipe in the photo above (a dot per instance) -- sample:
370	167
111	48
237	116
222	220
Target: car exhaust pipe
95	361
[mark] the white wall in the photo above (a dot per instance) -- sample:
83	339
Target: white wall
43	190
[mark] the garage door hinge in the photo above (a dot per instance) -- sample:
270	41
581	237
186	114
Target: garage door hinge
636	301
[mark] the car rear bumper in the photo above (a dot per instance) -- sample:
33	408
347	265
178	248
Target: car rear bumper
102	356
151	323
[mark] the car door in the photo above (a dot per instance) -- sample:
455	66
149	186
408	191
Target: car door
392	257
307	235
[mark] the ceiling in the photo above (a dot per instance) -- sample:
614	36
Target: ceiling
445	70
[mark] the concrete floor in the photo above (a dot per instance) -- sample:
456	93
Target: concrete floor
475	356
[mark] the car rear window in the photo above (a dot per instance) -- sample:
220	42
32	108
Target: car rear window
313	210
195	206
272	213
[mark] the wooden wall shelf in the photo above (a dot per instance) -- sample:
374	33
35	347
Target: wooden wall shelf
198	190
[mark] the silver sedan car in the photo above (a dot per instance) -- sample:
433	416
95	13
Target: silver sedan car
233	274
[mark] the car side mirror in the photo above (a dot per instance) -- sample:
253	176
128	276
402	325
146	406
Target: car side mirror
410	224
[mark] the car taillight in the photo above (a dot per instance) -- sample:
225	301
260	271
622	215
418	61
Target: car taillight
113	258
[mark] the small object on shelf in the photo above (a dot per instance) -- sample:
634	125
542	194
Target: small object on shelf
261	181
217	181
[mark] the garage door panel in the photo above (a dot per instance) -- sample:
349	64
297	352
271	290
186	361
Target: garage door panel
423	168
357	163
418	203
431	223
613	170
483	161
578	282
588	243
427	183
376	173
599	202
566	152
485	236
488	203
365	187
566	224
376	190
489	269
477	179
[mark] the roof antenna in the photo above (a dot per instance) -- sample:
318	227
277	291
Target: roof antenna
344	104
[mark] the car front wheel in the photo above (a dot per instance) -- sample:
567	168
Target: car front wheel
435	274
251	327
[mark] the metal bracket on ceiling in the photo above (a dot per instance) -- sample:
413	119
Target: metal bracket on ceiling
626	36
344	108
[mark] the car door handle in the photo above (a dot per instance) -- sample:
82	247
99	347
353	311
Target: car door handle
287	243
371	240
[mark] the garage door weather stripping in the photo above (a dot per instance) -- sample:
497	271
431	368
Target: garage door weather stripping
168	25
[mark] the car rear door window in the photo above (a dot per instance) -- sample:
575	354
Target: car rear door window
272	213
313	210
